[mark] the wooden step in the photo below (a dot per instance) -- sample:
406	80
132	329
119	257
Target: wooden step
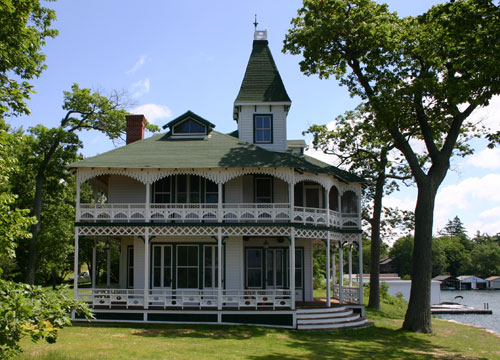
361	322
321	310
324	315
331	320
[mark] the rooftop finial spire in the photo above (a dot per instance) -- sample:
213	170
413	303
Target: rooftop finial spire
259	34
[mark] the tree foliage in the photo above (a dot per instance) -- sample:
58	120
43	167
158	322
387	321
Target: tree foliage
422	77
24	28
364	150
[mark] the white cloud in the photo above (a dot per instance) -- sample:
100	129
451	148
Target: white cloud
140	87
405	203
488	116
491	213
152	112
140	63
486	159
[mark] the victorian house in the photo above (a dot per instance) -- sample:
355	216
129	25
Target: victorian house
219	228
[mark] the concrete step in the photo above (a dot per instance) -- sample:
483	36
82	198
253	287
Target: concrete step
360	323
346	312
330	320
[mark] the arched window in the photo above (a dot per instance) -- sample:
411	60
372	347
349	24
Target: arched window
349	202
334	198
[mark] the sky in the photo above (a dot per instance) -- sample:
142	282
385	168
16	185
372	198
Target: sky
174	56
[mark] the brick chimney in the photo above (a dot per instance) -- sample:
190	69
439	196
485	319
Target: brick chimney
135	128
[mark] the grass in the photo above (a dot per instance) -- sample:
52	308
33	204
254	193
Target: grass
384	340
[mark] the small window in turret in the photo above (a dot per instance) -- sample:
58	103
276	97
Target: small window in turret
189	127
263	129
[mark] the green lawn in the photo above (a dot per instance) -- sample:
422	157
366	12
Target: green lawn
385	340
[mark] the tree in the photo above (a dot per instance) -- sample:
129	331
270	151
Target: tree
485	259
365	151
422	78
85	110
24	28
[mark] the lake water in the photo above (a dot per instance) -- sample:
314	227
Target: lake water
476	299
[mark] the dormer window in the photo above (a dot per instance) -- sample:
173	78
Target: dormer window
263	129
189	127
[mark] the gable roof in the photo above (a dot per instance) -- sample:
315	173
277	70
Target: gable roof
189	114
262	81
216	150
491	278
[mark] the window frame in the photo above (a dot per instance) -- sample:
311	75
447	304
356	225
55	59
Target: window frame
271	133
184	134
271	180
162	265
177	266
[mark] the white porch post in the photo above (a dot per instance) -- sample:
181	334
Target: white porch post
291	196
108	265
146	268
341	275
219	202
94	264
328	296
360	282
75	279
334	270
292	267
219	268
148	202
77	200
350	264
327	206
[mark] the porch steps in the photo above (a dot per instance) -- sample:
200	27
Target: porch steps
329	318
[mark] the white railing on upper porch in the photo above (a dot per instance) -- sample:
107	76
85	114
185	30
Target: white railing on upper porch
180	299
229	212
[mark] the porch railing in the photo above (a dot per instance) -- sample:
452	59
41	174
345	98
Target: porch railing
350	294
180	299
229	212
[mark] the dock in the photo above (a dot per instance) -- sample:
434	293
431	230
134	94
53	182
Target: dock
435	311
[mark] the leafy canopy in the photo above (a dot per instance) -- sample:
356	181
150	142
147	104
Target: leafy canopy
24	28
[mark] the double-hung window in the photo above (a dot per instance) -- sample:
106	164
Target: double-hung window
263	129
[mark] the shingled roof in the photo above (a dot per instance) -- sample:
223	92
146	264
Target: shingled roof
216	150
262	81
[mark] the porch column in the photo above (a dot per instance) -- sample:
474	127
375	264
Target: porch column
219	202
108	265
291	198
146	268
219	268
75	279
334	270
77	201
327	206
292	267
147	213
350	264
328	296
94	264
341	274
360	281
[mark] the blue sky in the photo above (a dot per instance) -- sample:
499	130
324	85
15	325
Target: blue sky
174	56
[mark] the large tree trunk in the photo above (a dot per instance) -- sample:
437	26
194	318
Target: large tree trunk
374	301
418	315
35	229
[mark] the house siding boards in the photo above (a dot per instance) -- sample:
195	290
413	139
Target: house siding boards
246	125
234	263
124	189
234	190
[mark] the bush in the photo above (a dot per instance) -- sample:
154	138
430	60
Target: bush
30	311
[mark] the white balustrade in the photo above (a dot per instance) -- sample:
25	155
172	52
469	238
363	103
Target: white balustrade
351	294
186	298
230	212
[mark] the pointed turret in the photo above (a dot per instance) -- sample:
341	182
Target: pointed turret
262	103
